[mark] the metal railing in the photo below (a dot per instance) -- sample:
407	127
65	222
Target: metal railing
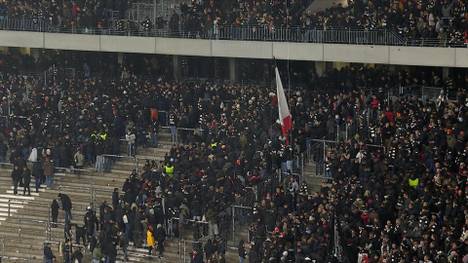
357	36
320	154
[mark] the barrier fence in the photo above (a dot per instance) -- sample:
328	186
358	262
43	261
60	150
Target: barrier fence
358	36
321	153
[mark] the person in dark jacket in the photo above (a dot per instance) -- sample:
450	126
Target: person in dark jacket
26	180
209	249
48	255
66	206
241	251
16	177
196	257
91	222
37	173
123	243
253	255
80	234
115	198
160	238
77	256
54	208
67	252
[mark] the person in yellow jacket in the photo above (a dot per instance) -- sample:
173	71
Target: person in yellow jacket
150	239
413	181
169	169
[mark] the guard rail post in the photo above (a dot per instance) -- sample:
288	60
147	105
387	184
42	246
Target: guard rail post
233	222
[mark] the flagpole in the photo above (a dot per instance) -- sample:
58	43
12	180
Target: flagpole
289	87
283	109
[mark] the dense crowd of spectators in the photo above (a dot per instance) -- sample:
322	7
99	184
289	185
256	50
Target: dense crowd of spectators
403	200
77	13
445	20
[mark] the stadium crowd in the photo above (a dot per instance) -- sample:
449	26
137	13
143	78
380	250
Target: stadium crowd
443	20
79	13
399	202
404	202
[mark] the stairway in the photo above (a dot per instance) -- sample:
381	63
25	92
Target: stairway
23	233
314	179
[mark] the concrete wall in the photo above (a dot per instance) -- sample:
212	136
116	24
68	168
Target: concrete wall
394	55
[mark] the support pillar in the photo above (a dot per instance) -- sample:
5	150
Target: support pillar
232	70
35	53
320	68
445	73
120	58
176	67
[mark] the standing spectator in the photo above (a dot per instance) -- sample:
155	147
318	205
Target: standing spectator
66	207
97	254
80	234
196	257
48	167
154	133
150	239
241	251
3	151
78	159
48	255
16	177
33	155
91	223
173	127
211	217
130	138
54	208
77	256
37	173
26	181
123	243
160	238
67	251
115	198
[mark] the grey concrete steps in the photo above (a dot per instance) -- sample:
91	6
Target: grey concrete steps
75	186
22	257
141	255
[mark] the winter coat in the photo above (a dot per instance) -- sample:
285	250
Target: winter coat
26	177
48	167
54	207
150	238
66	202
16	175
37	170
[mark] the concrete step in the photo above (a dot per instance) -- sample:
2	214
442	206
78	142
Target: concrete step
75	185
12	201
12	206
15	197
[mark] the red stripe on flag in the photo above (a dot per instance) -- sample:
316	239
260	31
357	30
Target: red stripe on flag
286	125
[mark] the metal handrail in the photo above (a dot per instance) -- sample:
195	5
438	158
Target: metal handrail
358	36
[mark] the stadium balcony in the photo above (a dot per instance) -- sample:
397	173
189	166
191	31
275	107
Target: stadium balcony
343	45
